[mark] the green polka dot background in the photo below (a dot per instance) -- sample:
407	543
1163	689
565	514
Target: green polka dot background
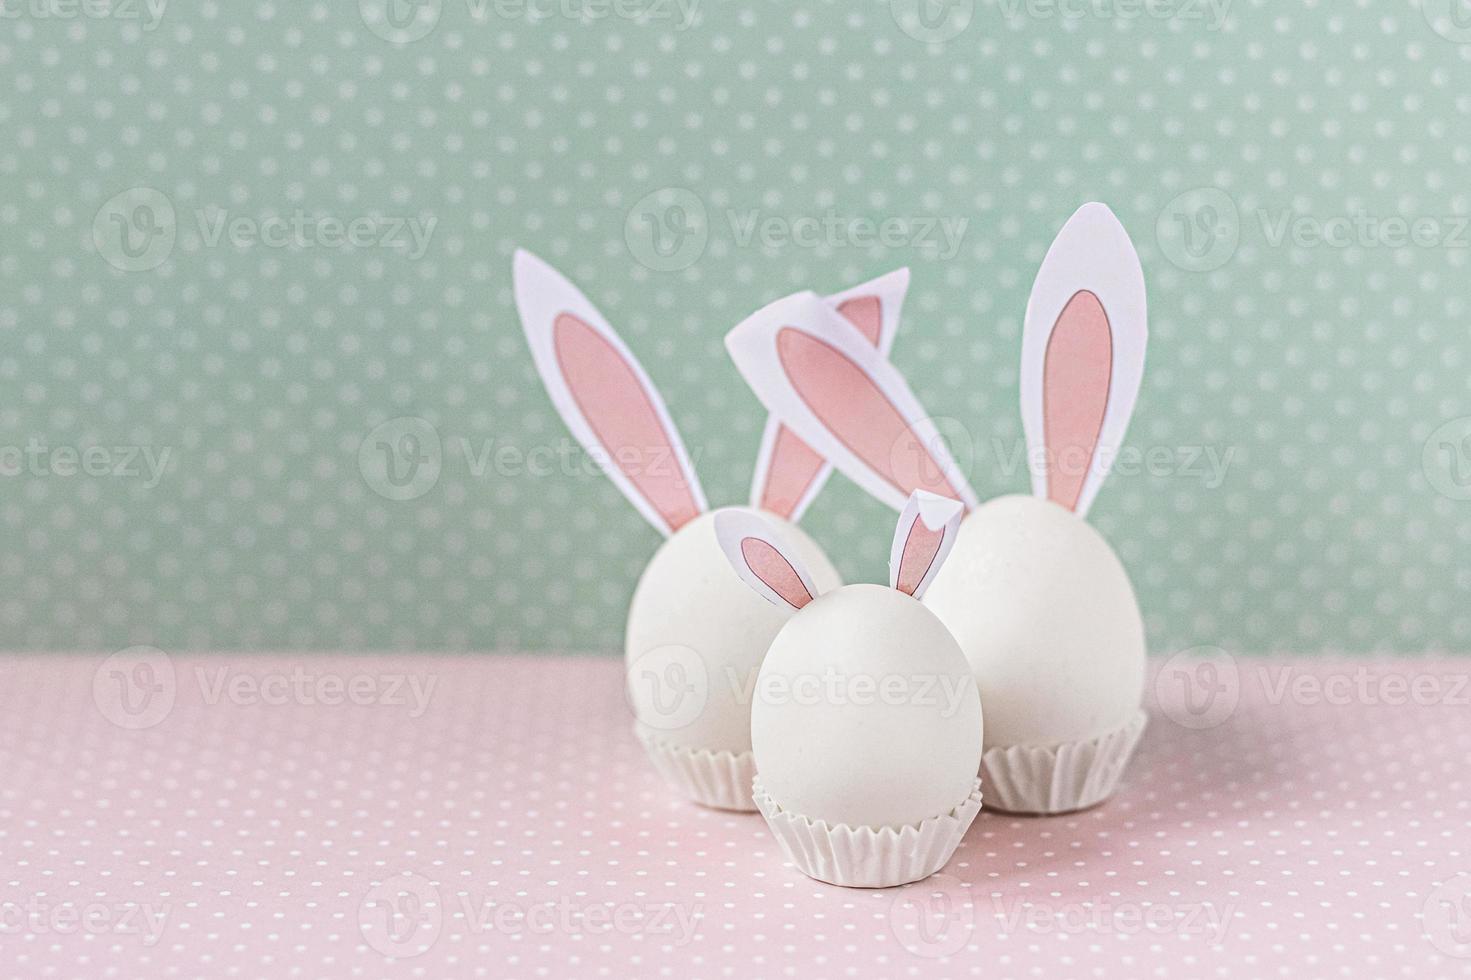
265	385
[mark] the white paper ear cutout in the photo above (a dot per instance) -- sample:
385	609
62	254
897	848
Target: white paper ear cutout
762	562
605	397
922	541
1082	356
789	473
826	383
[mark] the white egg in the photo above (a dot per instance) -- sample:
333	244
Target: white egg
1047	618
697	634
866	713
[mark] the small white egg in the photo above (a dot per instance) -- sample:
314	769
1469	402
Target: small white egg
866	713
697	634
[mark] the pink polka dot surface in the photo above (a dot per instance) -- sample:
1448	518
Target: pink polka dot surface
373	816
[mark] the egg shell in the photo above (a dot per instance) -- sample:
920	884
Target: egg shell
689	598
1045	614
858	759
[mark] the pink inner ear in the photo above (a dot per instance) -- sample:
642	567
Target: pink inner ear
1076	377
771	567
611	397
867	314
794	465
920	549
858	413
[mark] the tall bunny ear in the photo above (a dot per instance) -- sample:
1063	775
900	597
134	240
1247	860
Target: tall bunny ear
755	553
789	473
922	541
1082	356
826	383
604	396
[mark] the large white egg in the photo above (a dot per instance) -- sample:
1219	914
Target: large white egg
697	634
1047	618
866	713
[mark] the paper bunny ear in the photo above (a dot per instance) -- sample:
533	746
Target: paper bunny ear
1082	356
604	396
922	541
761	561
789	473
826	383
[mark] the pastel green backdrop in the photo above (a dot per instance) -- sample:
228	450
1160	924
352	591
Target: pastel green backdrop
266	387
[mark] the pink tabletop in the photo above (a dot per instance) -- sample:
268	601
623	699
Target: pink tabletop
367	816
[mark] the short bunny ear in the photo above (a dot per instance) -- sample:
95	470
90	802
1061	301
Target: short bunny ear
762	562
813	371
922	541
789	473
604	396
1082	356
